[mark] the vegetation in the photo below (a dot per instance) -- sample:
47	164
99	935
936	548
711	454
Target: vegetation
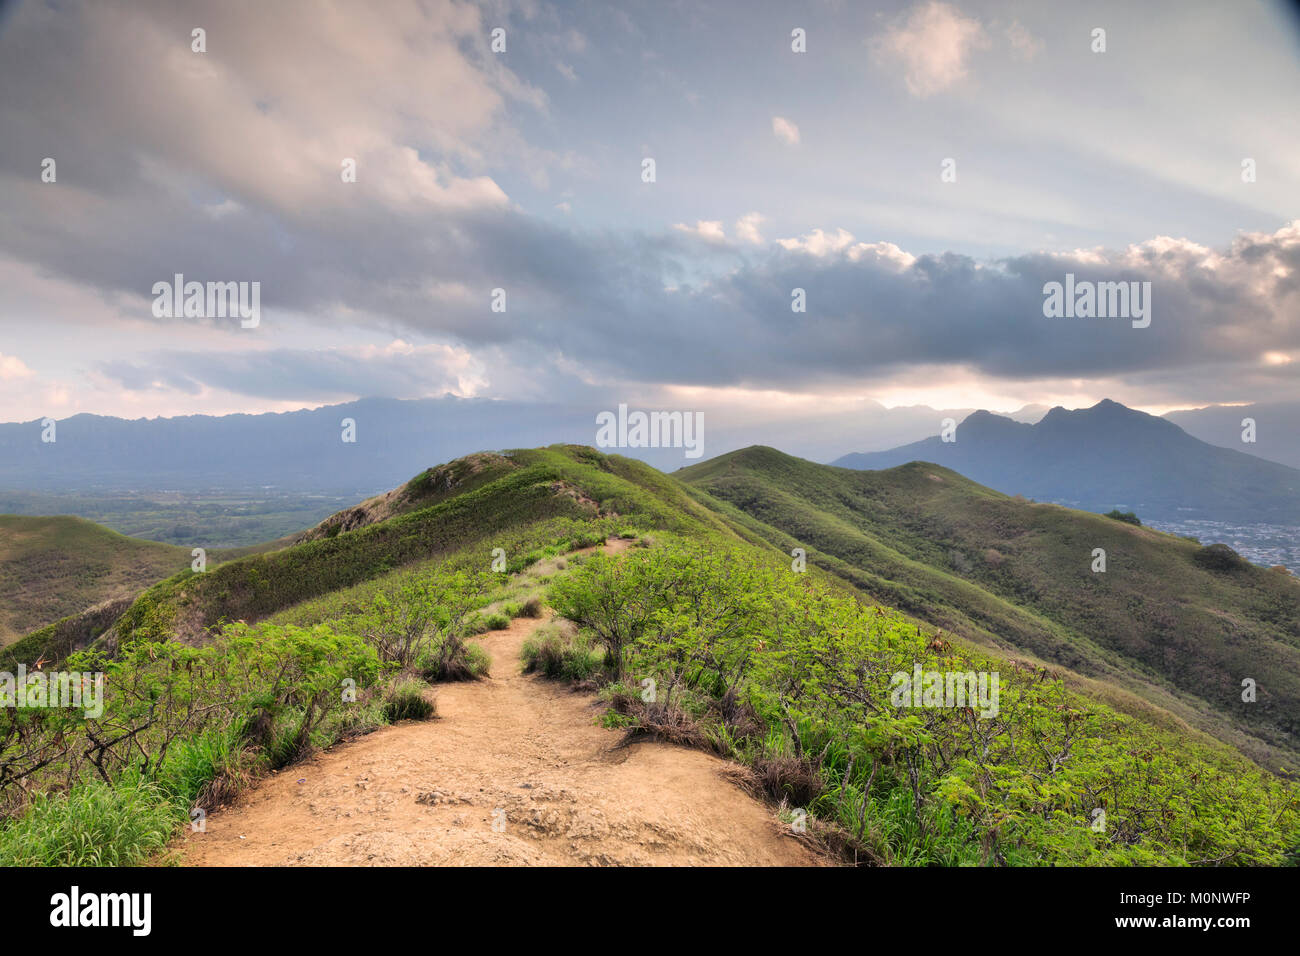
1126	516
563	654
96	825
51	568
705	634
408	700
1219	557
1169	625
190	718
56	641
180	726
533	486
793	677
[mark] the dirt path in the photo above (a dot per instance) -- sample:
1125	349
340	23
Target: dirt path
514	771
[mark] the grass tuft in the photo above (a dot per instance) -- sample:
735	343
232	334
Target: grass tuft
94	825
407	700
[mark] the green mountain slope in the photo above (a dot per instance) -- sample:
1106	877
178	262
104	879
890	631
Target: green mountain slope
440	511
1180	625
58	566
1106	456
215	678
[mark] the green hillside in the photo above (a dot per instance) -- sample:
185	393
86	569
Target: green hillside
1180	625
215	679
507	495
51	568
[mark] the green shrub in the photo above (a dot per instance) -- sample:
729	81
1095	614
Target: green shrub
410	616
471	662
194	722
1219	557
795	677
1128	517
482	623
477	661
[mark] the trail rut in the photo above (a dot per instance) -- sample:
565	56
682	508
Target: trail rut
514	771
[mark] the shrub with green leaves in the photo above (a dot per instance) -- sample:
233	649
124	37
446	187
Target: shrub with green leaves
180	724
792	676
1128	517
419	619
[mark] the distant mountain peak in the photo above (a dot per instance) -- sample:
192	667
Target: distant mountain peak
1096	457
1106	409
1110	407
986	421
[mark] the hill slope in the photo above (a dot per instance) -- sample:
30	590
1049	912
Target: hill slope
1178	624
442	510
54	567
1104	457
214	681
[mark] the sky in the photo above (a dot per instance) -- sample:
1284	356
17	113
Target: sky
920	170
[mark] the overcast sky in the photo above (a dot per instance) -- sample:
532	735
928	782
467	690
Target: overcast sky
522	170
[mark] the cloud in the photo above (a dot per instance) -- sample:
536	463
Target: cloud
1023	43
819	244
396	370
225	166
595	306
932	45
785	130
12	368
413	96
747	227
710	230
876	310
575	41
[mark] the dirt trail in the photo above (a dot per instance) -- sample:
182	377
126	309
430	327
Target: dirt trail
514	771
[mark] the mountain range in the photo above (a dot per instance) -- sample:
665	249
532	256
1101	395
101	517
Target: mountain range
304	451
1104	457
1276	430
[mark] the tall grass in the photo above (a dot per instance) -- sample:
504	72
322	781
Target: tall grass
94	825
